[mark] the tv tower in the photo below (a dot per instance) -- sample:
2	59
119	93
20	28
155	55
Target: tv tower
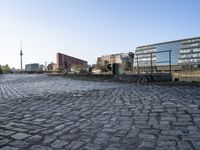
21	54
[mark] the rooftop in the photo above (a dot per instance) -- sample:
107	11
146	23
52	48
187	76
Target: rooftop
169	42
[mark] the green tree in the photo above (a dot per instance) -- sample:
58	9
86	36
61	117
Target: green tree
103	66
6	69
0	70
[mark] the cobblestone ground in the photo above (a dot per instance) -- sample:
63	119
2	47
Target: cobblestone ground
38	112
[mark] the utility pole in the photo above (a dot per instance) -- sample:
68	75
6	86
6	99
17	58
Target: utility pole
21	54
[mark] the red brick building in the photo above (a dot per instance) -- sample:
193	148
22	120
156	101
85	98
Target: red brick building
65	61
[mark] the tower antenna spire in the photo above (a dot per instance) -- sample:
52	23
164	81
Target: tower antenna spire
21	44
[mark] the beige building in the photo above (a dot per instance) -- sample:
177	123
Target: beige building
120	58
113	58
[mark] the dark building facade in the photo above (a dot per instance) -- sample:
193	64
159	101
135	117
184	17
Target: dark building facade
66	61
185	52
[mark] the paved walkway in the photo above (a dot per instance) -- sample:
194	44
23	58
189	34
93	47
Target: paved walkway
38	112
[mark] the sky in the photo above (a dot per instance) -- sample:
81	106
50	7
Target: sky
87	29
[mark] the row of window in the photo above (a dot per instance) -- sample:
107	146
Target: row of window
189	61
190	41
190	55
145	59
145	51
144	63
145	56
190	45
145	48
190	50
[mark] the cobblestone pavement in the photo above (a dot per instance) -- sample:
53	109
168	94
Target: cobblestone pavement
38	112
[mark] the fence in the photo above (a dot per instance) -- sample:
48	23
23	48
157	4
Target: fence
152	65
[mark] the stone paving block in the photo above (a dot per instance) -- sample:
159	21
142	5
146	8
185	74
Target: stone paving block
75	145
44	112
20	136
69	137
101	141
115	139
166	148
184	145
39	120
49	139
4	141
19	144
85	139
6	133
91	146
40	147
172	132
146	144
109	130
115	147
9	148
34	139
59	127
147	136
59	144
166	143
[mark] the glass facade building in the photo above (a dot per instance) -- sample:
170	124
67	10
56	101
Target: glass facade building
32	67
183	52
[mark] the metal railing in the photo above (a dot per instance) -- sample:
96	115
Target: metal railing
150	64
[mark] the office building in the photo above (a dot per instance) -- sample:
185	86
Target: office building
32	67
184	53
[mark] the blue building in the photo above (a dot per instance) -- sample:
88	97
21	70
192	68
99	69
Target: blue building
184	53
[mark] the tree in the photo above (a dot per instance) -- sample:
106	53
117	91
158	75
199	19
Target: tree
103	66
6	69
50	66
0	70
131	55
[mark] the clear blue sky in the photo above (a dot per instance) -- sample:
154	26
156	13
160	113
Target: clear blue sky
90	28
